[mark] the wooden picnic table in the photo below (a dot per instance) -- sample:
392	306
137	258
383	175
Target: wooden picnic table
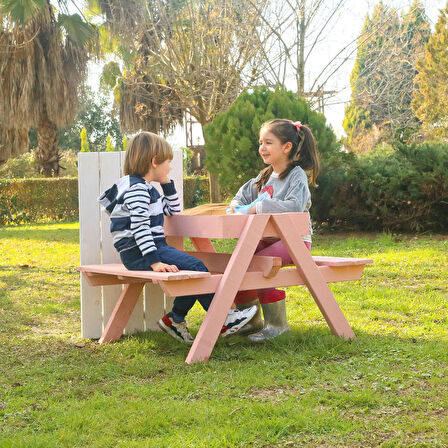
230	273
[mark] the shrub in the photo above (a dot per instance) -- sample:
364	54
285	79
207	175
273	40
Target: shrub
404	187
196	190
232	138
34	200
25	166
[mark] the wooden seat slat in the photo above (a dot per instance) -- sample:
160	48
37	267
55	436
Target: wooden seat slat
340	261
118	270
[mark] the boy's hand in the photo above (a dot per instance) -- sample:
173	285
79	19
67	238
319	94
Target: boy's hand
167	180
163	267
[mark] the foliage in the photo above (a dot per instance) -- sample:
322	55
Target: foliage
42	64
37	200
232	138
84	141
382	79
387	388
430	103
187	55
96	116
109	146
25	166
195	191
402	188
34	200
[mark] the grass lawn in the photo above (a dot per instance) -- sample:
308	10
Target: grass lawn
388	388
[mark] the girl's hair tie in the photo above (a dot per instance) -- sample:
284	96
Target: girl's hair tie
297	124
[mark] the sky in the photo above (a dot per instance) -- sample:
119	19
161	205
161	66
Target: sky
343	30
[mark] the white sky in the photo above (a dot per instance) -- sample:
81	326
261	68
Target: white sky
344	30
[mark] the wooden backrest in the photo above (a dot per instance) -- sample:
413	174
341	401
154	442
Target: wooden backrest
96	172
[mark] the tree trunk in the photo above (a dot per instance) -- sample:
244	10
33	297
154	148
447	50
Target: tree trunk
215	194
301	51
47	152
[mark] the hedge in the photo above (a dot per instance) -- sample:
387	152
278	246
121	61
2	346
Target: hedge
397	188
38	200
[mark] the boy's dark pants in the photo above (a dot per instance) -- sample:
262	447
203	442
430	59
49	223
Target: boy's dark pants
134	261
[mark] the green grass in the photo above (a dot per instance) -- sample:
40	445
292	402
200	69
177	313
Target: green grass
388	388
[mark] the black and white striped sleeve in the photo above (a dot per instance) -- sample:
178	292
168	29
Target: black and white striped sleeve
170	199
138	201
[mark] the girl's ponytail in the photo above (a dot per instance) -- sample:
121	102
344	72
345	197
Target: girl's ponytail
264	177
306	154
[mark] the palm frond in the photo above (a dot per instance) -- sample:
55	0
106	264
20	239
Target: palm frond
21	11
80	32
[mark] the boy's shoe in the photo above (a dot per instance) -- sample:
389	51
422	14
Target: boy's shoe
236	319
178	330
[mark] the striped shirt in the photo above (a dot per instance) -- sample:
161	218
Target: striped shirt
137	213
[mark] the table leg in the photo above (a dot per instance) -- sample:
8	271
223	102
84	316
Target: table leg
203	245
313	278
227	289
121	313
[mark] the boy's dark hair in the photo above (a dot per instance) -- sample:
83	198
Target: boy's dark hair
141	149
303	151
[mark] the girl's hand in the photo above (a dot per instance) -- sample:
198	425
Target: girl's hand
163	267
252	210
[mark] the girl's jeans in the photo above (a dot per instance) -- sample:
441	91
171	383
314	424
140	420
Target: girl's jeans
134	261
267	248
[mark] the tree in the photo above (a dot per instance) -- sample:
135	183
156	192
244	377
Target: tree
383	75
296	28
195	55
430	103
96	116
232	138
42	64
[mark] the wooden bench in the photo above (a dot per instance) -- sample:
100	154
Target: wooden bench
229	273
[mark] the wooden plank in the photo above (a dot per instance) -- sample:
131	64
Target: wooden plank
177	174
137	319
176	242
228	287
109	173
340	261
154	306
217	262
169	302
89	242
119	270
121	313
255	280
313	278
224	226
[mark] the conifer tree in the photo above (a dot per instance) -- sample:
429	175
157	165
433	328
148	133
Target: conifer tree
382	78
84	141
109	146
431	97
232	138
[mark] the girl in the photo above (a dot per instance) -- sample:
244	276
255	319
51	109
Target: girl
137	213
289	151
